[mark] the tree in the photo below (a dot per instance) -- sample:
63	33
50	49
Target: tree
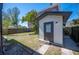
10	18
13	14
31	17
6	22
76	21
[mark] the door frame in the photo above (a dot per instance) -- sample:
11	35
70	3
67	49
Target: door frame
52	29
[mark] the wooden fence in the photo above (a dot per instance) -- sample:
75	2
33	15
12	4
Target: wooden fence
73	32
13	31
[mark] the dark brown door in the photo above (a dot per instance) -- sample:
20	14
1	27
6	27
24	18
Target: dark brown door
48	31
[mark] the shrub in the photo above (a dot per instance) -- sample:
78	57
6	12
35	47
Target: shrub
67	30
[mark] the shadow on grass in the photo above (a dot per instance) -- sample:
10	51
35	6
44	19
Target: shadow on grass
20	49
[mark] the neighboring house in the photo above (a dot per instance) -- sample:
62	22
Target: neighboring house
51	23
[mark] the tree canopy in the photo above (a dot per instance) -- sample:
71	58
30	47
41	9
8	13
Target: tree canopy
10	18
31	17
76	21
13	14
6	21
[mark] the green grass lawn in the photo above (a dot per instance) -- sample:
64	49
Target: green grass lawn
31	40
28	39
53	50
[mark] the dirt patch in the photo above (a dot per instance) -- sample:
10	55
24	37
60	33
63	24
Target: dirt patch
53	50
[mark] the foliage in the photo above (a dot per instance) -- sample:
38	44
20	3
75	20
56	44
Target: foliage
31	17
6	22
67	31
10	18
19	26
76	21
13	14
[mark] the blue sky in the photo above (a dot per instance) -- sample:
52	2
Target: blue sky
26	7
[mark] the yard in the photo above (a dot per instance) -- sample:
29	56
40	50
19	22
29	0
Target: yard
53	50
30	40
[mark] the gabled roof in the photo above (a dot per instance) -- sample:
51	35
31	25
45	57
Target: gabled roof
54	11
52	8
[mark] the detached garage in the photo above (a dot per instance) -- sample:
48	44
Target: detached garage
51	25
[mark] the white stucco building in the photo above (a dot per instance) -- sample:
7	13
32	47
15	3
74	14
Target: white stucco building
51	23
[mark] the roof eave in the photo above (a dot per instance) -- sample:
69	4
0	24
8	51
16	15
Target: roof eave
65	14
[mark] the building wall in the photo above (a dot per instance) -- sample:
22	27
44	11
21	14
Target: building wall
58	28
